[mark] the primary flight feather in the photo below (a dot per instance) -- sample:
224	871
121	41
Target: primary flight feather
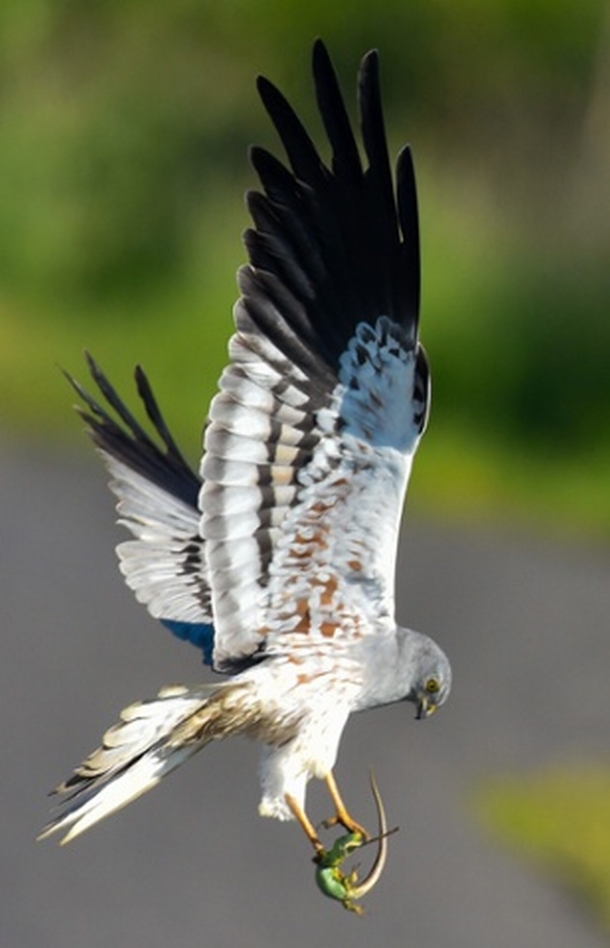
278	561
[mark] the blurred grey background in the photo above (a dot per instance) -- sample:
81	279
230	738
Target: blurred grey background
525	624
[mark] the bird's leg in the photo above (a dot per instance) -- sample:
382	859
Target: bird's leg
342	815
301	816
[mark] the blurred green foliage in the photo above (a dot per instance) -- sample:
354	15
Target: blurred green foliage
123	135
559	819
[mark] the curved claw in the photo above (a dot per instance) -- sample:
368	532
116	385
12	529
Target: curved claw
371	880
336	884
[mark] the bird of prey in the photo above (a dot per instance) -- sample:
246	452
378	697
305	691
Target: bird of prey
277	560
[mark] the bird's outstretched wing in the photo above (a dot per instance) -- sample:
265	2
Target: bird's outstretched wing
310	441
157	495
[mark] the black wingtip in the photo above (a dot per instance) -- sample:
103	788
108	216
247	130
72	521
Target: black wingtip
319	54
126	440
263	86
340	238
370	62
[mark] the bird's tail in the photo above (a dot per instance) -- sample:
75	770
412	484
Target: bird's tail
151	739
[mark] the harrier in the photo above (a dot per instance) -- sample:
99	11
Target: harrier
278	559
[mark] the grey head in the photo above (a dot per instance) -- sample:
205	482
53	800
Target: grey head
429	672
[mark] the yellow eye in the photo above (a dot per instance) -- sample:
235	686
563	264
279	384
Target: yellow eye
432	686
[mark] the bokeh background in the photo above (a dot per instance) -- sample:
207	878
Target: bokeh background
124	129
123	162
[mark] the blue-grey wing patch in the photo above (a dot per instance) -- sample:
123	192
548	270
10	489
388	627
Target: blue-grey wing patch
157	495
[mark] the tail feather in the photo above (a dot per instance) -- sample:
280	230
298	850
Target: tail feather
150	740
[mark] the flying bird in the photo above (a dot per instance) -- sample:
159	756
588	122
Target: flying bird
277	560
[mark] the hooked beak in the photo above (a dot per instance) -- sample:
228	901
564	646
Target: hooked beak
425	708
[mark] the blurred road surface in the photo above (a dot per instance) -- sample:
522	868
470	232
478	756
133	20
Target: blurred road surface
526	626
